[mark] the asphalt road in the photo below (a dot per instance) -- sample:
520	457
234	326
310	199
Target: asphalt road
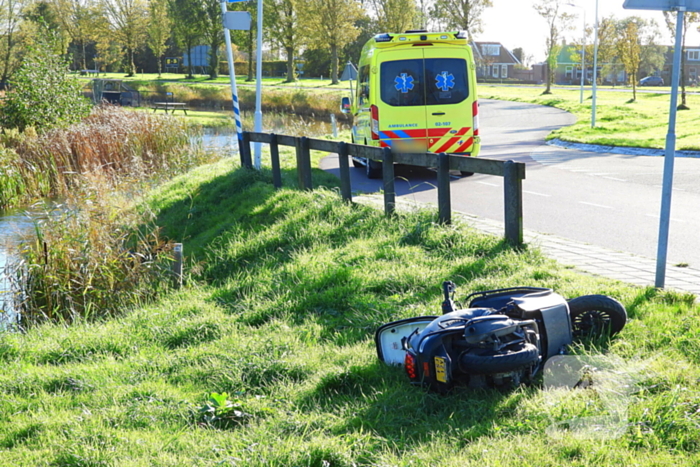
609	200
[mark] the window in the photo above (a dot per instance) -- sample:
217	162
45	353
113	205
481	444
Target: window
569	72
432	81
363	88
694	55
490	50
504	71
494	71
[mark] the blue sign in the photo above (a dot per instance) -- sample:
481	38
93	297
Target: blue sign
404	83
662	5
445	81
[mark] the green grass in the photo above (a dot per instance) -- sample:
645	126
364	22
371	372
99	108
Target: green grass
619	122
284	292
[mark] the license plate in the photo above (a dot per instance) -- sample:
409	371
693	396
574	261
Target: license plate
440	369
410	145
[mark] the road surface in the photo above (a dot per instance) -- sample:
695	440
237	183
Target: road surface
609	200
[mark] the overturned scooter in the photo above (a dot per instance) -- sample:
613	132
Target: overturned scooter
501	339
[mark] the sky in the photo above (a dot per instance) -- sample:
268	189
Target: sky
515	23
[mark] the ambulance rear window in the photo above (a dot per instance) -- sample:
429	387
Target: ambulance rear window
433	81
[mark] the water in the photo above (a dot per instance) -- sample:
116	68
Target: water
13	226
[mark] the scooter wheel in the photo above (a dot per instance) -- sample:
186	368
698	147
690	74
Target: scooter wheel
592	315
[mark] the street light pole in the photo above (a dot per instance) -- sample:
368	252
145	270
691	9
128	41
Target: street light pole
595	66
583	50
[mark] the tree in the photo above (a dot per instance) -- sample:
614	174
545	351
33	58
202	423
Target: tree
461	14
43	94
557	23
630	51
608	57
210	16
158	29
394	15
331	24
128	20
688	19
9	19
282	24
78	18
187	28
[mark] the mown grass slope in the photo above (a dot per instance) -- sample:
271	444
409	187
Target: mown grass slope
285	291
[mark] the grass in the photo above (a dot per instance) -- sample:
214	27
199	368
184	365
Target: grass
619	121
266	357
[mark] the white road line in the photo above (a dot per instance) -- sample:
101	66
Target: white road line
601	174
615	179
487	183
656	216
595	205
535	193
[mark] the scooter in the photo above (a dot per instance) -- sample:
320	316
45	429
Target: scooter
502	339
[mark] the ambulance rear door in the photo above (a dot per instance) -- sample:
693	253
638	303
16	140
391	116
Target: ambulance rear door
449	100
401	103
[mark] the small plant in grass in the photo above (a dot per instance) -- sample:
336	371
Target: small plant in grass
222	412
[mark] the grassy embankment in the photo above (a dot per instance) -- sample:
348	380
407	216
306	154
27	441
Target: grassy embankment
619	122
285	293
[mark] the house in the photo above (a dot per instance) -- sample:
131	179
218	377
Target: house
493	60
692	65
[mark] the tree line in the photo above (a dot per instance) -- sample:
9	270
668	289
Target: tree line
118	34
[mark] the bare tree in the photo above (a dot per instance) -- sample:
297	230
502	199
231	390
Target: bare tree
557	22
128	19
461	14
331	24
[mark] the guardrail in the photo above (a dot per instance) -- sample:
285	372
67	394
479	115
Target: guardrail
513	173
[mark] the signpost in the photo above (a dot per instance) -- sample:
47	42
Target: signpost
233	22
679	6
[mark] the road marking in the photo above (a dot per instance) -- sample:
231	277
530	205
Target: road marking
601	174
657	216
535	193
595	205
615	179
487	183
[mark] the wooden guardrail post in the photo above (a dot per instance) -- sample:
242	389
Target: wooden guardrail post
513	203
303	163
443	185
388	178
345	189
246	160
275	159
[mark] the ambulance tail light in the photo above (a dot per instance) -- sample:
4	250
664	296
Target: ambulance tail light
475	118
374	125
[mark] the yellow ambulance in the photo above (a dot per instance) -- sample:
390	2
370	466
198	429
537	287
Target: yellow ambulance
416	92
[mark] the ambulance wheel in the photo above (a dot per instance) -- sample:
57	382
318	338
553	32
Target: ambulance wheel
466	174
357	164
374	169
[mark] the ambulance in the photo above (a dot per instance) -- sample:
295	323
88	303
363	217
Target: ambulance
416	92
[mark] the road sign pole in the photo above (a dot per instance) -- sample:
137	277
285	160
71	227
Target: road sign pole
669	157
258	86
232	76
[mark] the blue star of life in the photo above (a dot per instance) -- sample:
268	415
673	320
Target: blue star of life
404	83
445	81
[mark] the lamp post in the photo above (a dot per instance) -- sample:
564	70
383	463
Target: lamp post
595	66
583	51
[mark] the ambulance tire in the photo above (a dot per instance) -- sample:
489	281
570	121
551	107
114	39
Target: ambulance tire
356	164
374	169
466	174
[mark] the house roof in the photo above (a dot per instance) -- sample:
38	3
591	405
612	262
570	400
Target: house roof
504	57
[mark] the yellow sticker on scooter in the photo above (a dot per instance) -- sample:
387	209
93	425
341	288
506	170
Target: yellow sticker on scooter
440	369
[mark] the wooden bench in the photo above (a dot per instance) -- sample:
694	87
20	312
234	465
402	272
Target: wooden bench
173	106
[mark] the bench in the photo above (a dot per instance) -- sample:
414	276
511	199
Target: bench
169	106
89	72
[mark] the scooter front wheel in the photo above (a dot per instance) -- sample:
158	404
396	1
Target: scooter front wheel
592	315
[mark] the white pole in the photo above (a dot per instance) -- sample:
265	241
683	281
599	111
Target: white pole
595	66
258	86
669	156
232	76
583	56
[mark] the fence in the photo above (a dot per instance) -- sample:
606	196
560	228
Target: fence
513	173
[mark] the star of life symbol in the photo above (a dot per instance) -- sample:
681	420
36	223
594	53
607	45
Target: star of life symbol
445	81
404	83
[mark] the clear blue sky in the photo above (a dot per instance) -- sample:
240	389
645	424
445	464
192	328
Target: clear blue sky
515	23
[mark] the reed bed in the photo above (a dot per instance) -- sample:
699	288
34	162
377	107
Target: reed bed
112	143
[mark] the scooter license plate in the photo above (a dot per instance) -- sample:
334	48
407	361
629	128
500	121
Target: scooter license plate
440	370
